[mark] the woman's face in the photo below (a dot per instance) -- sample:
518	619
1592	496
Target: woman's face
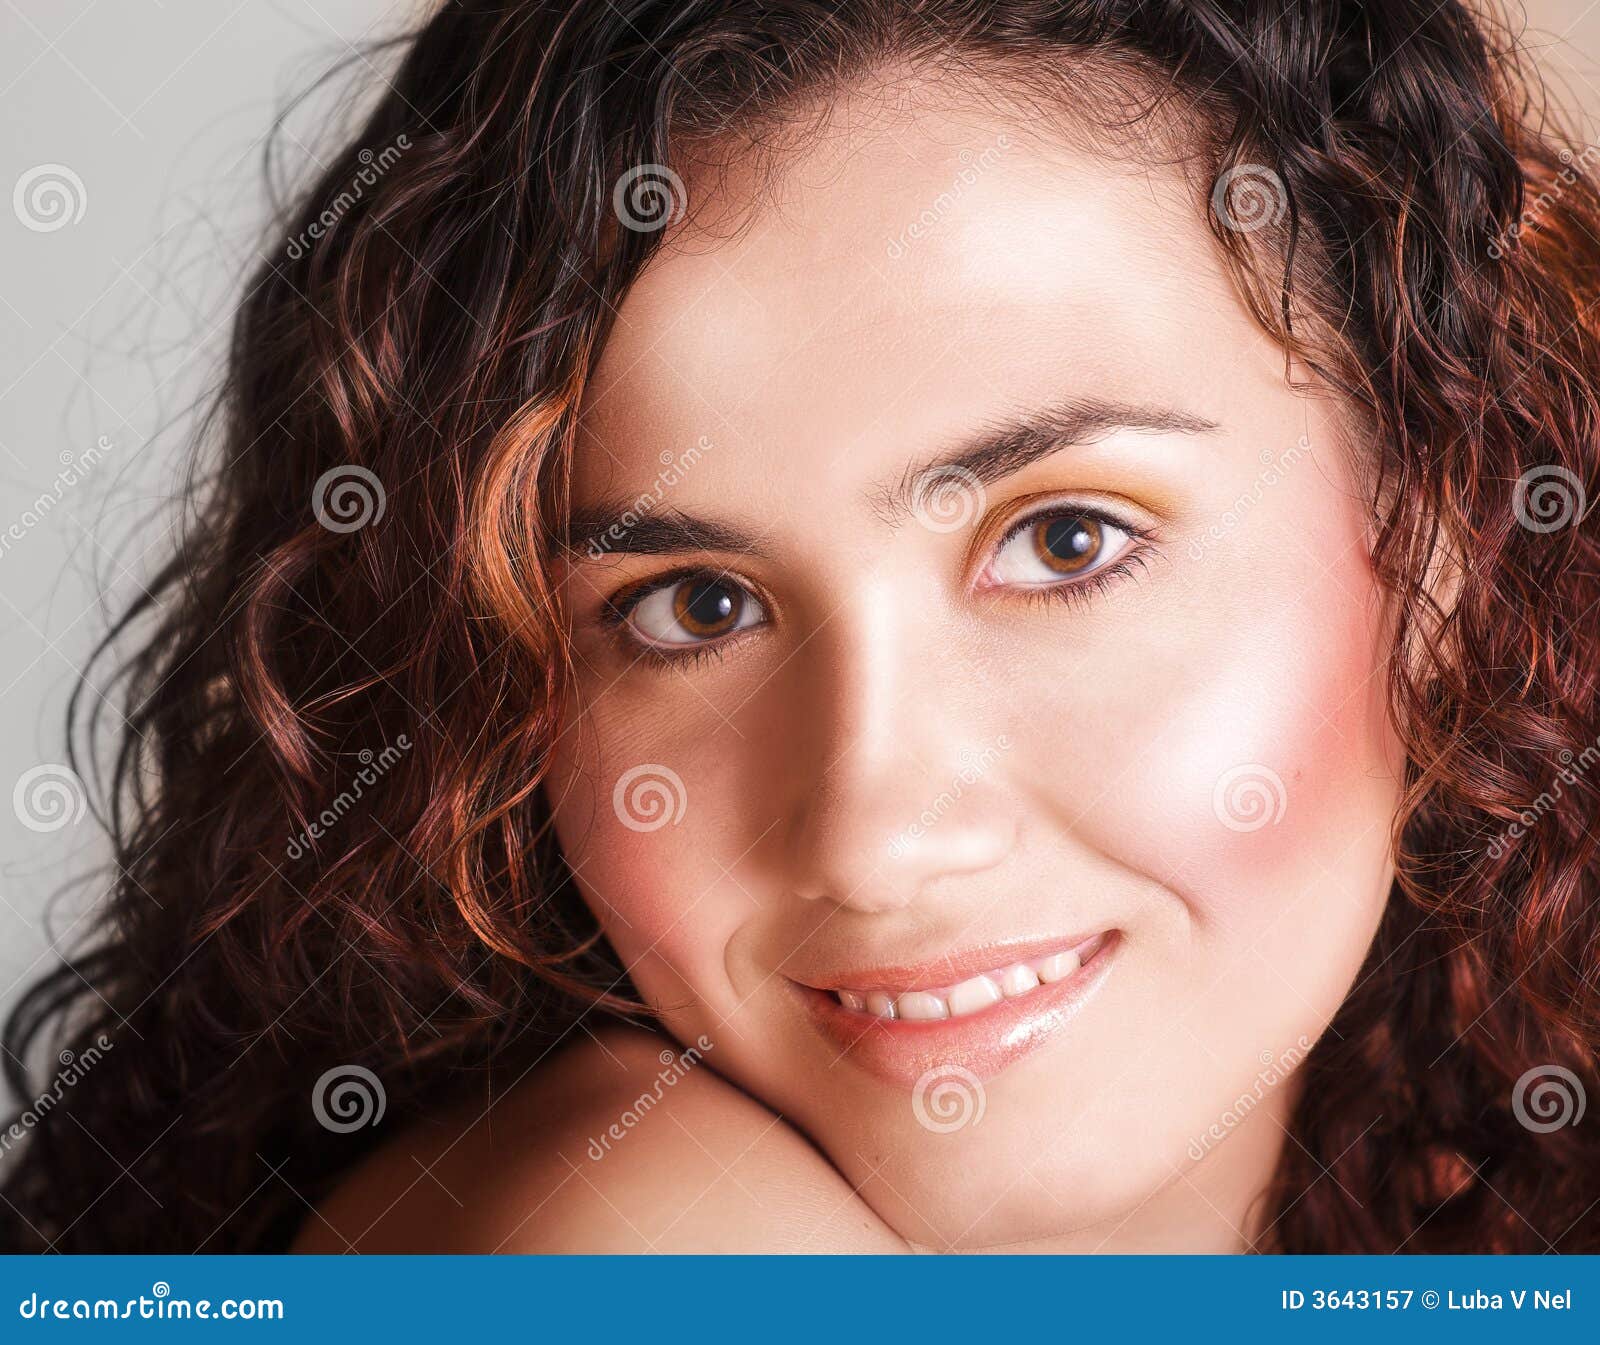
987	638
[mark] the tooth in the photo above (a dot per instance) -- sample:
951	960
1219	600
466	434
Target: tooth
851	1000
1018	980
919	1006
1056	967
970	996
880	1004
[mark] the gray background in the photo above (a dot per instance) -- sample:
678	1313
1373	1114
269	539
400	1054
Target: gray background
111	326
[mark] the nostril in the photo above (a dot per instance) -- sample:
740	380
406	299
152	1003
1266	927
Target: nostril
874	834
872	892
866	866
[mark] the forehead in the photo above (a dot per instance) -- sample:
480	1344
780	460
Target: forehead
905	273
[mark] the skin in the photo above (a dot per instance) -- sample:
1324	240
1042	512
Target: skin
708	1169
823	353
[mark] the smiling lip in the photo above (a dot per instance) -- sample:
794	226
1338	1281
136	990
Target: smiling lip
977	1011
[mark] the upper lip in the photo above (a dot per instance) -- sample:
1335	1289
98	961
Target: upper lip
945	969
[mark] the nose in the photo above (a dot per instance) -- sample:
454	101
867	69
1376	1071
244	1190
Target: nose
905	787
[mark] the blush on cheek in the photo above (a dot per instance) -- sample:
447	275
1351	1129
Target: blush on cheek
651	886
643	914
653	825
631	883
1258	771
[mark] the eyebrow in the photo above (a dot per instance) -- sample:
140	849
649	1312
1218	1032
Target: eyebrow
994	453
1014	443
612	528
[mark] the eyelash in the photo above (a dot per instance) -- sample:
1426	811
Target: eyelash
1084	590
693	655
619	607
1078	592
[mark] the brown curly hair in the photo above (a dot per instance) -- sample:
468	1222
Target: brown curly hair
425	339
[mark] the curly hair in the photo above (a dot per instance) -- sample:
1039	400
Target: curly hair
414	360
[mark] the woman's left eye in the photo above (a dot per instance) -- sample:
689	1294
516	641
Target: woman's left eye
1056	548
695	610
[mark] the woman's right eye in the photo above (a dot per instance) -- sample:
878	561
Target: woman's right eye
695	610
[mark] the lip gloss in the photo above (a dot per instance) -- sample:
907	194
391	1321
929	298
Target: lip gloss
900	1049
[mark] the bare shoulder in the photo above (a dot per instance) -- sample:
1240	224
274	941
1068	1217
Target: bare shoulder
619	1142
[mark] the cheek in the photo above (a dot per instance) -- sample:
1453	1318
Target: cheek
640	828
1248	760
1253	781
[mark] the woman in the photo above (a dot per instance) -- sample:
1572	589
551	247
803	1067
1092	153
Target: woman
877	626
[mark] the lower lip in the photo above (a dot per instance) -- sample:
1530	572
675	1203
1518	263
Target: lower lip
901	1052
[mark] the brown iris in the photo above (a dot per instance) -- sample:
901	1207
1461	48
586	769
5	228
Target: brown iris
707	607
1067	543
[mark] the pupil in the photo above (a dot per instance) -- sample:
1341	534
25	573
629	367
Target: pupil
708	605
1068	539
